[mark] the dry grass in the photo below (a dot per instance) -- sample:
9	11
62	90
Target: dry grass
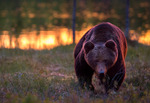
48	76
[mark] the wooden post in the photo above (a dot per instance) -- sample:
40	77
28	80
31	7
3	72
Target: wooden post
127	20
74	20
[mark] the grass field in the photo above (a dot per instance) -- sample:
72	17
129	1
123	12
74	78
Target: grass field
47	76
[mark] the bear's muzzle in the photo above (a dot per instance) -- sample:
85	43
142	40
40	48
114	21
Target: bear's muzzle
101	69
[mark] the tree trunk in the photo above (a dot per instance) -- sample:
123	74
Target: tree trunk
127	20
74	20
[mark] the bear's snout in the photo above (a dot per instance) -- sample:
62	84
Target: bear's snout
101	69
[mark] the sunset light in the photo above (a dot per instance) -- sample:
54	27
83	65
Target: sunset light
51	39
145	39
43	40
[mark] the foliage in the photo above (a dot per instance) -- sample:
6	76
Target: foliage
36	14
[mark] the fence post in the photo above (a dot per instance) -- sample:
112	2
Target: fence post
127	20
74	20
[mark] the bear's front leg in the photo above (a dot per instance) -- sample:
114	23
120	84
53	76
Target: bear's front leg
84	72
84	76
86	81
115	82
89	84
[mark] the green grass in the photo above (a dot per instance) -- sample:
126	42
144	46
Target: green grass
30	76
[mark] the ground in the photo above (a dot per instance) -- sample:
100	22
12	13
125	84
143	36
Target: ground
47	76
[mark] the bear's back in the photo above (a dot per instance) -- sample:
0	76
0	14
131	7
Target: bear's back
101	33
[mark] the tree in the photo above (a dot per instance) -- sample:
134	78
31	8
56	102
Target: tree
127	20
74	20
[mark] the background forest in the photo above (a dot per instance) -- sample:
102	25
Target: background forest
27	14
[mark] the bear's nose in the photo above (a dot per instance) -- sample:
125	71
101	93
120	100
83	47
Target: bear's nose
101	74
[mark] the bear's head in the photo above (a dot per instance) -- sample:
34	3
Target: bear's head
101	56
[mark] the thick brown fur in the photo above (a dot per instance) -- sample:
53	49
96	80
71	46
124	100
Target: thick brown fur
101	49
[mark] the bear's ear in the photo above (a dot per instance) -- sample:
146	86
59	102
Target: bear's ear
111	44
88	46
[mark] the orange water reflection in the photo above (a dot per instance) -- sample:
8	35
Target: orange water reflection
144	39
41	40
51	39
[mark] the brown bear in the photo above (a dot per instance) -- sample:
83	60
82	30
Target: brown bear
101	50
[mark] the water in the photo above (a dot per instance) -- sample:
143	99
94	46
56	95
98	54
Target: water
39	40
